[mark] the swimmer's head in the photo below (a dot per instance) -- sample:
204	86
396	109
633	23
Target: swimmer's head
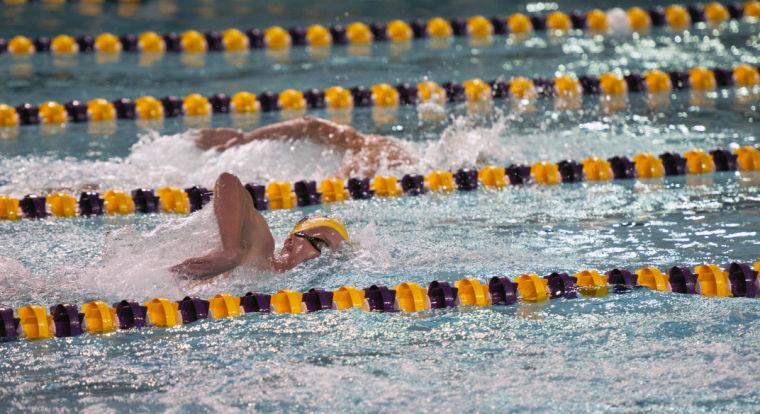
320	221
311	236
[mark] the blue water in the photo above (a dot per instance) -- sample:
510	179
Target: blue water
641	351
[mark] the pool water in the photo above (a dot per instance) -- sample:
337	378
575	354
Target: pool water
633	352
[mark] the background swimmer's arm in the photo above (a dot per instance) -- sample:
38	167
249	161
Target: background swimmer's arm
316	129
319	130
368	150
216	137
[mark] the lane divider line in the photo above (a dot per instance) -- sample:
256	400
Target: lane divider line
34	322
286	195
674	17
611	86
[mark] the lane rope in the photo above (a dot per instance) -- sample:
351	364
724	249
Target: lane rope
596	21
612	86
34	322
286	195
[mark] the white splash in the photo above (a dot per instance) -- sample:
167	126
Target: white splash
138	262
174	160
12	272
465	143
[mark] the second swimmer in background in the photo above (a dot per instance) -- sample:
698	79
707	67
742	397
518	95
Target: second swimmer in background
365	153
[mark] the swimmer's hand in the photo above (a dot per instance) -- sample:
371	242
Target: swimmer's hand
208	266
217	138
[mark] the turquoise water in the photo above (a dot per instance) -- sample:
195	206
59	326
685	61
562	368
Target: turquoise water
636	352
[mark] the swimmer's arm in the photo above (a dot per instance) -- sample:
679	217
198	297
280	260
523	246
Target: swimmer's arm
369	151
216	138
238	222
318	130
208	266
225	138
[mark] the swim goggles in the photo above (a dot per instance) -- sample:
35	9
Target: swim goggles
313	241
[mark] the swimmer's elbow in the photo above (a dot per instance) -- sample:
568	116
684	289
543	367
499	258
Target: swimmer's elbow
226	179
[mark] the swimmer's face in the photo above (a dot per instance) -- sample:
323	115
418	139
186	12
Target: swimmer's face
309	244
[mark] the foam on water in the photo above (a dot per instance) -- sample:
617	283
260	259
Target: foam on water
157	160
137	261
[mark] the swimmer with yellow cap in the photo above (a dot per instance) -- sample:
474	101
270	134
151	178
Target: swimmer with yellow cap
247	240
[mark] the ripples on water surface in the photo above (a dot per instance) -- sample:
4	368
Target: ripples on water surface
642	351
45	76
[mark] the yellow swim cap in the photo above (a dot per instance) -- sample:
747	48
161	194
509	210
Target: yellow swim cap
314	222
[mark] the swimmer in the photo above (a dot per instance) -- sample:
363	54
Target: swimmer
245	234
247	240
365	154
